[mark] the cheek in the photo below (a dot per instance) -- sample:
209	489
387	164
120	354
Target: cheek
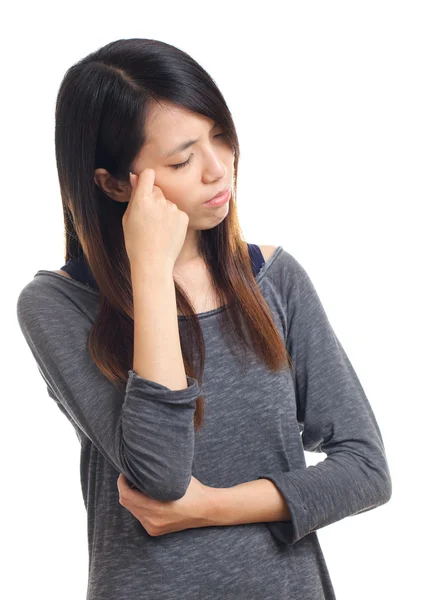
172	187
181	193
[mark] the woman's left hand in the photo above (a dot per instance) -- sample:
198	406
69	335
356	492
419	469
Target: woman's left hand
158	517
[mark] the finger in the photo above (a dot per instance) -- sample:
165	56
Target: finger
133	180
120	482
123	485
128	491
145	180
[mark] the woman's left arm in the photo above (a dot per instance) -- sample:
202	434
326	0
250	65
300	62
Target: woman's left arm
335	417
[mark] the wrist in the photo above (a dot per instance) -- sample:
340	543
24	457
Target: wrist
143	269
142	276
216	511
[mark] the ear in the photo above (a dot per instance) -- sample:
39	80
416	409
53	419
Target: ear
117	190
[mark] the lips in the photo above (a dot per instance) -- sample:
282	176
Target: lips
225	189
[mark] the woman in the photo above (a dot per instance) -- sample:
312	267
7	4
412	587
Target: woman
194	377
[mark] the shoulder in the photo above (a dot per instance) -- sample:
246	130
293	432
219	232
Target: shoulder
62	273
267	251
43	302
286	272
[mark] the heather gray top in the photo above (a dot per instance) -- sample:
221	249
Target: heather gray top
256	426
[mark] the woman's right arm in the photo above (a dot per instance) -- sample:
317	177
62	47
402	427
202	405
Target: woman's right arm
145	432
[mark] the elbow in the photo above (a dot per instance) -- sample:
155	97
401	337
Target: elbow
383	481
385	486
172	490
381	496
159	481
159	465
163	490
380	482
162	472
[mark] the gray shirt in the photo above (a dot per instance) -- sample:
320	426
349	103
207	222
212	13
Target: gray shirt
257	425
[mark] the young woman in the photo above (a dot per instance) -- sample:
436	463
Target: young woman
194	367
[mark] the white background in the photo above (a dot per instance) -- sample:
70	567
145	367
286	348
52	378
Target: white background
336	106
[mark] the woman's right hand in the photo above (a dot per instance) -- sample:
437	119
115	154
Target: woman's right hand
154	228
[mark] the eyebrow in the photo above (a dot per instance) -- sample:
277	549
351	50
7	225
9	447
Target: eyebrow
184	145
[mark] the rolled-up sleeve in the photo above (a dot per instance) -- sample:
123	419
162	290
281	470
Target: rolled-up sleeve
146	431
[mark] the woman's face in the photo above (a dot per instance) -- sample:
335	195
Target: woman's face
207	165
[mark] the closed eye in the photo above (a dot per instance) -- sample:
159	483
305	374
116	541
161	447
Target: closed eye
181	165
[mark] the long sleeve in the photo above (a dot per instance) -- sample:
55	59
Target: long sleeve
334	416
146	433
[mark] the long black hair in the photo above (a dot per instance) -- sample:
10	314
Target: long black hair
101	112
